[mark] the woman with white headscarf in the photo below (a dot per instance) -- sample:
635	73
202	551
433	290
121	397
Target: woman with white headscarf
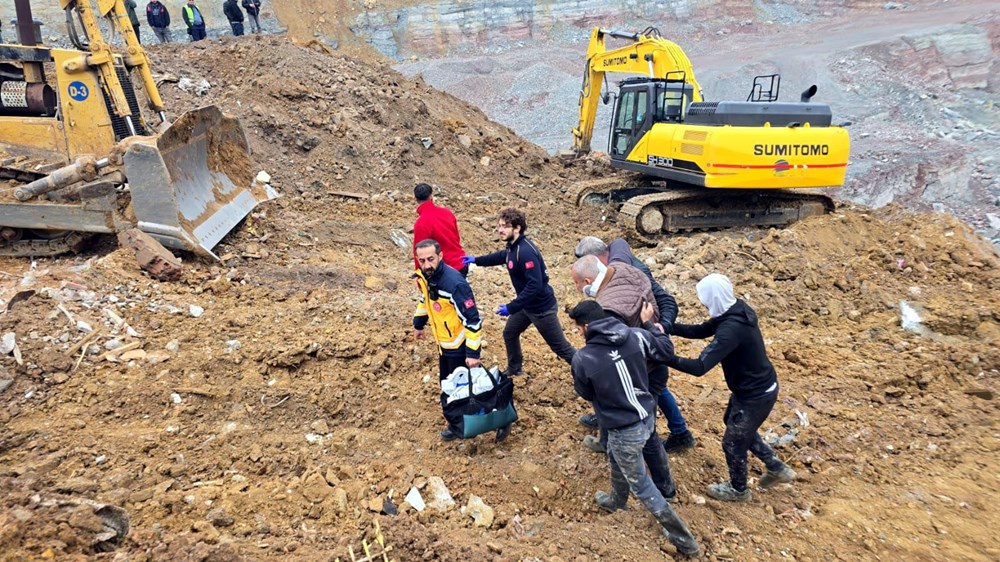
739	346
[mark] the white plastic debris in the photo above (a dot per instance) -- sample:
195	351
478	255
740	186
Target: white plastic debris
195	311
911	320
263	177
415	499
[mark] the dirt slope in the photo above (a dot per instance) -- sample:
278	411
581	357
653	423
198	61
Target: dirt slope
271	404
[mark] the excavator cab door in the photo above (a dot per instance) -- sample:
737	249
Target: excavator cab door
630	121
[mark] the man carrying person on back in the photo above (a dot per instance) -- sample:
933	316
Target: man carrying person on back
618	251
437	223
535	303
610	371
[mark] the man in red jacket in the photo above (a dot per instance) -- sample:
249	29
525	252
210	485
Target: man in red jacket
437	223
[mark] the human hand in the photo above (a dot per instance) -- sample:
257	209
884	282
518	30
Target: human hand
502	311
468	260
419	334
647	312
471	362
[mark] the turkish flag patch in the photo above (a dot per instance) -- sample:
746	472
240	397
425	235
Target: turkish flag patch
529	265
470	303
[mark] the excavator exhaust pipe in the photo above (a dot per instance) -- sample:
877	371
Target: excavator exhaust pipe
808	93
193	182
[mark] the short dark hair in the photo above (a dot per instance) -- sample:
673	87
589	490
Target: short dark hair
427	244
513	217
586	312
422	192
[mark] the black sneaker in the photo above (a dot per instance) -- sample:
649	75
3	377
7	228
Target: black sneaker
449	435
502	433
679	442
589	420
510	373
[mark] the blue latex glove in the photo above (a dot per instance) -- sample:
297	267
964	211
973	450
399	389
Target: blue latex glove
502	310
468	260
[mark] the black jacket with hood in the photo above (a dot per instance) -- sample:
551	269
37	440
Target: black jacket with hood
610	370
738	345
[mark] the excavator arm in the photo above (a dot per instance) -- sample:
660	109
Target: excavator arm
648	54
102	57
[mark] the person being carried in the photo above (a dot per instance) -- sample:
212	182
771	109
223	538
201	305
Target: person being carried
739	346
618	251
437	223
610	371
448	305
535	303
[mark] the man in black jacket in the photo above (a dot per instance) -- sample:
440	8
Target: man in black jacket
610	371
618	251
535	303
235	16
739	346
159	20
253	10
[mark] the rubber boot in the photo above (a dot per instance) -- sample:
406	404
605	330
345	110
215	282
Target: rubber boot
783	475
677	532
617	498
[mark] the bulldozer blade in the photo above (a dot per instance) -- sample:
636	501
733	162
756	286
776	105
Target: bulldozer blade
194	182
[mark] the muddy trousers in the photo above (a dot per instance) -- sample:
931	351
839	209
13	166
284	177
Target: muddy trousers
628	473
656	460
743	418
547	324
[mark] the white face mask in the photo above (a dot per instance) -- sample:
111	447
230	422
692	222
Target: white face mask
591	290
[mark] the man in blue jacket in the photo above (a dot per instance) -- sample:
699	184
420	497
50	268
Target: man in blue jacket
738	345
535	303
611	371
618	251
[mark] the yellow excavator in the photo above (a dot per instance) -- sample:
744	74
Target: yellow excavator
709	164
81	157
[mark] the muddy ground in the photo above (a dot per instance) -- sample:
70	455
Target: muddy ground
273	405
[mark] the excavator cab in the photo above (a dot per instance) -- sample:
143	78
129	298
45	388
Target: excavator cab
643	102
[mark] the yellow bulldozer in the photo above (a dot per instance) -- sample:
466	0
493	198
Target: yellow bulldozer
712	164
86	148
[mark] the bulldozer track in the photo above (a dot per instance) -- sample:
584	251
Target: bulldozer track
647	218
42	247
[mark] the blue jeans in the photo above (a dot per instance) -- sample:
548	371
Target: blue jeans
668	405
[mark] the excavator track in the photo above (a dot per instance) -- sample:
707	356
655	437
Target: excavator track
647	218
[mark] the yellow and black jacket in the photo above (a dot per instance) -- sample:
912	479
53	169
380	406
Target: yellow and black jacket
446	302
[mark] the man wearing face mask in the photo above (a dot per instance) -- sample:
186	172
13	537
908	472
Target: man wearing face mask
447	304
738	345
535	303
618	251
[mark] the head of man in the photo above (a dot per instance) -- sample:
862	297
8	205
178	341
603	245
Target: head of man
585	313
510	225
587	272
428	256
592	246
422	192
715	291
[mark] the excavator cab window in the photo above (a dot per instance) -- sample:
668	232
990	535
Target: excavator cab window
621	129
